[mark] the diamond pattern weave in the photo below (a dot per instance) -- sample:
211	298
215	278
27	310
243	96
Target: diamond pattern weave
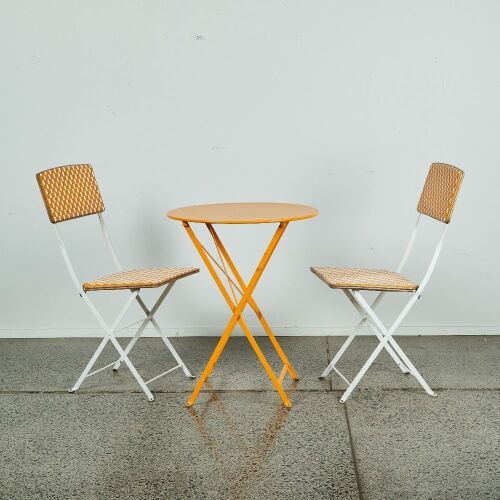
70	192
364	279
139	278
440	191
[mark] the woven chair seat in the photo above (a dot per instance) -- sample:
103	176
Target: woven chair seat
364	279
139	278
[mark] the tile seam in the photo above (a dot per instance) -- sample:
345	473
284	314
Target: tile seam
353	454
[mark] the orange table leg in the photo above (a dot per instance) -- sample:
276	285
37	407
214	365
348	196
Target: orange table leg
253	304
237	314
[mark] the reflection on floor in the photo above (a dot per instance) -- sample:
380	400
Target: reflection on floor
255	453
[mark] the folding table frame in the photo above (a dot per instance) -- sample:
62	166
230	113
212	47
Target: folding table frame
437	201
70	192
237	308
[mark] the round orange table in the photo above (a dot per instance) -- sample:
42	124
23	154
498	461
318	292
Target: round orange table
241	213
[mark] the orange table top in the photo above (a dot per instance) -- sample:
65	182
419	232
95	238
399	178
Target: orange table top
243	213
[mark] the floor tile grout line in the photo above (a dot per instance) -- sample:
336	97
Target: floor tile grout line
221	391
346	416
134	391
353	453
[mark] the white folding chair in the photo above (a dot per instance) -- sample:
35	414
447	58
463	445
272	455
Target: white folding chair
437	201
70	192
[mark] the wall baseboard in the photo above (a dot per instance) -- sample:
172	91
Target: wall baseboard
295	331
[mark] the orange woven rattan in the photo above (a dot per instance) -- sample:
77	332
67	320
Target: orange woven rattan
364	279
440	191
70	192
138	278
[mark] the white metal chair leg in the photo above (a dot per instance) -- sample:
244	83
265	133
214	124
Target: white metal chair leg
172	349
150	318
132	342
392	340
109	334
90	364
349	339
150	315
379	335
387	336
339	353
132	369
412	368
123	353
363	370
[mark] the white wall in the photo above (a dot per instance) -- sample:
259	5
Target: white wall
341	105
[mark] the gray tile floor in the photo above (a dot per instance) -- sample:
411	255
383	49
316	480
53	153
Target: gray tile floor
390	440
